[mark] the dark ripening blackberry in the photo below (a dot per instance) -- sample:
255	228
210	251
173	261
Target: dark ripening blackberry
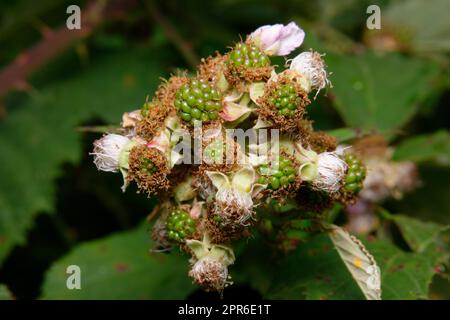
248	56
353	182
198	101
179	225
277	177
285	100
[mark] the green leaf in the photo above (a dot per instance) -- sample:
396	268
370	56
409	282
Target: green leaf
418	234
379	92
313	271
5	294
41	134
120	267
251	267
404	275
425	147
440	288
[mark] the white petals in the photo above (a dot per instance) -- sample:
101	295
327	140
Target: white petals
161	141
243	180
130	119
107	151
233	111
256	91
330	171
310	65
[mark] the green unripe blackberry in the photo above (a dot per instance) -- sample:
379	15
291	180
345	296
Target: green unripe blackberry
179	225
285	100
279	175
248	56
353	182
198	101
147	166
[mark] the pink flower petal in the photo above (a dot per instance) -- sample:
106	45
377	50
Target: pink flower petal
277	39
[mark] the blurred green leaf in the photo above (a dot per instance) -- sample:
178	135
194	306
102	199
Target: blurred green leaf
4	293
440	288
429	202
379	93
422	26
425	147
345	134
41	134
120	267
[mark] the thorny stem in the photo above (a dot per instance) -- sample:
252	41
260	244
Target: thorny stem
54	42
172	34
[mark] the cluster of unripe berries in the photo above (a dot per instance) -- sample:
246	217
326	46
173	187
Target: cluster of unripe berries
198	100
248	56
285	100
277	175
356	173
231	91
179	225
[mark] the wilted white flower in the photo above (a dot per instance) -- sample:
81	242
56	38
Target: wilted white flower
278	39
108	150
235	196
130	119
330	171
324	170
210	273
310	65
210	263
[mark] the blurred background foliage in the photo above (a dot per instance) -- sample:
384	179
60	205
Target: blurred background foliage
57	210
